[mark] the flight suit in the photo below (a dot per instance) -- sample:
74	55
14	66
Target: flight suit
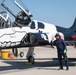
61	46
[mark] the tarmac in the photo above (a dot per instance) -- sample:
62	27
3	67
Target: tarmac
46	63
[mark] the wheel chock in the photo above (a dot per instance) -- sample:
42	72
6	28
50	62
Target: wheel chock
29	63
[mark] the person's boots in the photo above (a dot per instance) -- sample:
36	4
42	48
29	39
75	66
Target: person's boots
67	68
61	68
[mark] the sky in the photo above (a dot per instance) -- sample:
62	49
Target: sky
58	12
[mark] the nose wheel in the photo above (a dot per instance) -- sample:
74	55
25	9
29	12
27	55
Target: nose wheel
31	59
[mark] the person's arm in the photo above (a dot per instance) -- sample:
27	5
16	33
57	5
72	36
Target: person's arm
52	44
64	44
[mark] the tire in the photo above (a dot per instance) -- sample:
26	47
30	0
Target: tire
31	59
21	54
15	52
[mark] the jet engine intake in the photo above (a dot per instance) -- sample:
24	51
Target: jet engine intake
34	39
29	39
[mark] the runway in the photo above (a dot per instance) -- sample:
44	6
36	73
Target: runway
46	63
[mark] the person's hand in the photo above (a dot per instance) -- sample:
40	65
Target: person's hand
51	44
65	51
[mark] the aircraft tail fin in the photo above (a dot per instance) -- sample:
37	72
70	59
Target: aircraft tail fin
73	27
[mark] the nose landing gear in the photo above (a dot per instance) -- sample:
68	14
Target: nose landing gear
30	55
31	60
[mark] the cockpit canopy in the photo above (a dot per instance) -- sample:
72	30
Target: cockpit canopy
4	18
3	14
18	10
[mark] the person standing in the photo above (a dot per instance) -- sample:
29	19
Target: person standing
61	50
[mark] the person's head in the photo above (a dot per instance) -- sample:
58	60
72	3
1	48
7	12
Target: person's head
57	36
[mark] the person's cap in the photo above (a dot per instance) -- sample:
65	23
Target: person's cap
57	34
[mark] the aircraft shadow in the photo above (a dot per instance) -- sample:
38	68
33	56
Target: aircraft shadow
21	65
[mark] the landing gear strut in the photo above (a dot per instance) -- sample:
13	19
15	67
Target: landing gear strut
30	55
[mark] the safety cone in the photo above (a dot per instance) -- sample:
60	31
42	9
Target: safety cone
11	56
0	54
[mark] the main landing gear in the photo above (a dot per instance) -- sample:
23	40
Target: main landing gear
30	55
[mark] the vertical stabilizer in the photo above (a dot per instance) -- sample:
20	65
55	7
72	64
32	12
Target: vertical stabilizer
73	27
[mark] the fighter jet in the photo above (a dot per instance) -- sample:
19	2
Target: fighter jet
24	31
